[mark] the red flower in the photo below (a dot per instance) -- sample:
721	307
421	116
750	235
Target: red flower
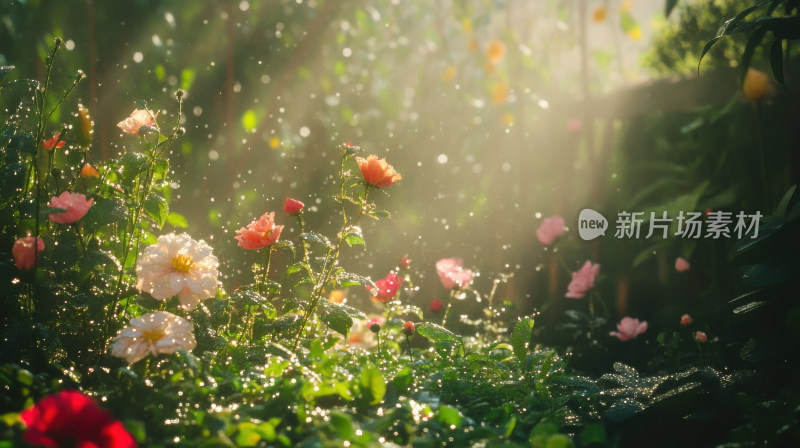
377	172
436	305
53	142
387	287
686	320
405	263
408	328
293	206
260	233
25	255
70	418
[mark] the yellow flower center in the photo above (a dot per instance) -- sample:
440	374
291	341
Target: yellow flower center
182	263
153	335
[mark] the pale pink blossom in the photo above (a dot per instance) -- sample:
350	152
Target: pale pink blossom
178	265
153	334
26	256
686	320
681	265
260	233
582	281
550	229
629	328
452	274
701	337
137	119
574	125
76	206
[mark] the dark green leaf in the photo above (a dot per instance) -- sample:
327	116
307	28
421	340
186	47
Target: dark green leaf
669	7
337	319
776	60
789	198
749	49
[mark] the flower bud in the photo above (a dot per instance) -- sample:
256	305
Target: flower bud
686	320
375	327
89	171
408	328
293	206
405	263
85	126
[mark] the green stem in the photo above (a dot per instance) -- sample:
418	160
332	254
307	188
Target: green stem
265	271
449	305
410	353
331	259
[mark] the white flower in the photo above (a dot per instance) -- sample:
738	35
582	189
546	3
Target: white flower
178	265
153	333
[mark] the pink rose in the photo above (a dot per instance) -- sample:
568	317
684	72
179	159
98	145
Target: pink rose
259	234
452	274
387	287
681	265
628	328
436	305
582	281
550	229
76	204
701	337
25	255
686	320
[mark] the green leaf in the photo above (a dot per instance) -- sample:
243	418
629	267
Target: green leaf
521	337
338	320
437	333
373	386
133	163
749	49
776	60
379	214
350	279
316	238
104	211
788	198
671	4
354	239
177	220
156	208
449	417
627	22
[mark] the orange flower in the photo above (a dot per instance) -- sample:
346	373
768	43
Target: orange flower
500	93
495	52
53	142
449	73
756	85
599	14
377	172
89	171
336	296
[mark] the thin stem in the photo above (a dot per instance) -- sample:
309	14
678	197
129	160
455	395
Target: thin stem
304	245
449	305
265	271
332	258
410	353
